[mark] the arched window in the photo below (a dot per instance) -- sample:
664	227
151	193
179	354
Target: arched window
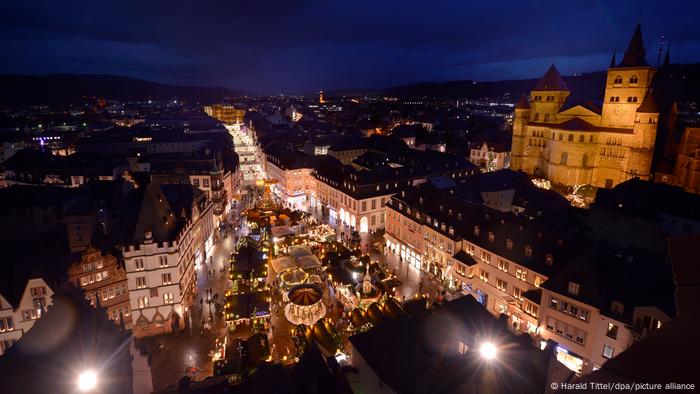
581	138
634	79
564	158
618	80
571	137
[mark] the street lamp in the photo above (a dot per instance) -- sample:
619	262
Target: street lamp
488	351
87	381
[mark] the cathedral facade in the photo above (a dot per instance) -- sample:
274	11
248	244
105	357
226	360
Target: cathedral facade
572	143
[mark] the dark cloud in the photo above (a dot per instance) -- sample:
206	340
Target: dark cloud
315	44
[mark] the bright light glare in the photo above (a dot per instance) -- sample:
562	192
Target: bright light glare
87	381
488	351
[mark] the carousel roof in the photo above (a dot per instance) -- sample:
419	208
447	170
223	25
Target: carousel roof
294	276
305	294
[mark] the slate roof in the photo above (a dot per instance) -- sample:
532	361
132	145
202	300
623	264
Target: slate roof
419	353
522	103
551	81
161	209
606	274
635	55
649	106
555	238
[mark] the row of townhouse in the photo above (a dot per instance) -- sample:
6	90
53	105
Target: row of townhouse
521	268
350	197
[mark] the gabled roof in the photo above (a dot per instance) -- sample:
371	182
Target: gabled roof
649	104
551	81
586	104
522	103
635	55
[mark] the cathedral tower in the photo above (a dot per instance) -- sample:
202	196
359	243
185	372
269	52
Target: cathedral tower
548	96
627	85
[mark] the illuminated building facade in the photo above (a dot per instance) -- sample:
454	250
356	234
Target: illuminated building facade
226	114
104	282
572	143
172	235
19	311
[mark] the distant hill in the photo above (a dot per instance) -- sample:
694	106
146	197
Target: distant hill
22	90
681	80
588	86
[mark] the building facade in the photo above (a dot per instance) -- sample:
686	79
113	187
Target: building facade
572	143
104	282
18	317
173	234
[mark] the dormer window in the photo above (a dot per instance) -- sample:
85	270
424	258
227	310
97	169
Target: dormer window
548	259
420	200
574	288
451	231
459	216
492	237
476	231
442	227
528	251
449	212
509	244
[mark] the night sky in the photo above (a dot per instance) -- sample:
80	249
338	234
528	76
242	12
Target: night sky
306	45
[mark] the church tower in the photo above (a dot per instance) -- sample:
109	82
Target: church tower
547	97
627	85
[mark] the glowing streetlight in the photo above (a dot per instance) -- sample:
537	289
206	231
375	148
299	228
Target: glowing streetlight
87	381
488	351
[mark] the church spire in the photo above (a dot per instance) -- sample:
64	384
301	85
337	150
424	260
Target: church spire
612	61
667	58
635	55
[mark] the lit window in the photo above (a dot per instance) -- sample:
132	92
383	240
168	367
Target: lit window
573	288
141	282
608	351
612	330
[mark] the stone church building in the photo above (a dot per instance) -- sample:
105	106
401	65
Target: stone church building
575	143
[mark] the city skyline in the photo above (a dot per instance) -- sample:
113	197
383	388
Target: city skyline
272	47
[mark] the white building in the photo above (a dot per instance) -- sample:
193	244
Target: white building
18	312
173	234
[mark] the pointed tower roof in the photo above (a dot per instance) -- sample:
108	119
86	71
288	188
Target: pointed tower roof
648	106
635	55
612	61
155	216
522	103
552	81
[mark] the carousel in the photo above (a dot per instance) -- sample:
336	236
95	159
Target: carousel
290	278
305	305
